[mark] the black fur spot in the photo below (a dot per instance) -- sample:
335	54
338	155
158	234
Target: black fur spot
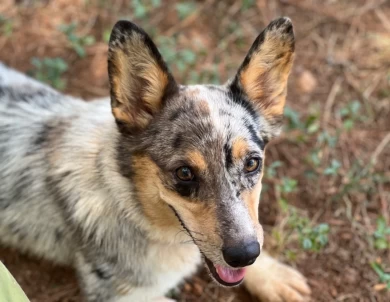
42	135
178	141
254	135
4	203
187	189
175	116
101	274
2	91
228	155
124	159
224	112
215	88
58	235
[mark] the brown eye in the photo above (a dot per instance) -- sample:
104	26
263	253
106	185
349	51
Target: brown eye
252	164
184	174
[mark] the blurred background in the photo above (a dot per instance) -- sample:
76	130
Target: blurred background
326	199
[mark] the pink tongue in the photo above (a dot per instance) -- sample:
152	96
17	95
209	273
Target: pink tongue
229	275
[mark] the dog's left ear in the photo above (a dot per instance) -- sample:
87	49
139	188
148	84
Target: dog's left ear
139	78
262	77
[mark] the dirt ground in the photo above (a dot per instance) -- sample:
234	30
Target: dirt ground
331	164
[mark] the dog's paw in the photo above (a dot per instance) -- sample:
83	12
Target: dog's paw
272	281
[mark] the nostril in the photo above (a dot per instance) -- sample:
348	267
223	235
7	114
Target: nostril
253	250
242	255
233	255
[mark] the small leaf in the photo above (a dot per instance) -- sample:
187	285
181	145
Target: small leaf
184	9
307	244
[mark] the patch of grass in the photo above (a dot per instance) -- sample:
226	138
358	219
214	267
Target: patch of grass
50	71
382	234
77	42
382	274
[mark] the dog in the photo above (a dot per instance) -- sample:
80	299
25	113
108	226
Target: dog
135	191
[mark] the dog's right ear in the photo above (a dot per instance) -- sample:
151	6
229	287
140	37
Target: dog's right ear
139	78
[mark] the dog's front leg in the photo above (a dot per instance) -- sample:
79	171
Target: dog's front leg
272	281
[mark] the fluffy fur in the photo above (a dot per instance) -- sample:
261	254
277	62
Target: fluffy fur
94	185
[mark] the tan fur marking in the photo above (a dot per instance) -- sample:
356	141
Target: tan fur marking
252	200
265	78
145	179
204	107
121	114
192	92
197	159
239	148
154	199
198	217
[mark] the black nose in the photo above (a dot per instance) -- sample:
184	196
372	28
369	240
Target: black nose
243	255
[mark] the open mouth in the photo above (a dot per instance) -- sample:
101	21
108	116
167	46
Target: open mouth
224	275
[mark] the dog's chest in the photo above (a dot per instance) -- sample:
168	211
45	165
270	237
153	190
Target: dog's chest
173	263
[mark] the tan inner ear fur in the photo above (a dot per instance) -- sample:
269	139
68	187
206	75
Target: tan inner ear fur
155	198
265	78
139	81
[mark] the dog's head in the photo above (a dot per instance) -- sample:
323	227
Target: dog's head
195	153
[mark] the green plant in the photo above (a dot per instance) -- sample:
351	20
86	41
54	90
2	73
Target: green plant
382	234
326	138
312	238
361	178
307	126
293	119
271	170
184	9
350	114
50	70
286	186
177	59
6	25
106	35
210	76
142	8
383	275
77	42
333	168
246	4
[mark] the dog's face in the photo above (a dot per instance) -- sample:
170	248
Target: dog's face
197	152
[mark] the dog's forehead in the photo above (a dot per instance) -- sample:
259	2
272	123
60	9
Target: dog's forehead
207	119
216	107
